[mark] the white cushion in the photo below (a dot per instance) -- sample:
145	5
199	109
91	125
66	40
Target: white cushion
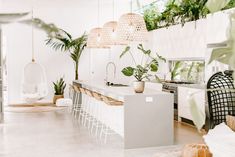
221	141
64	102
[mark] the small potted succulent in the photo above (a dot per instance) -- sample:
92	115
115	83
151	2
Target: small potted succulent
144	70
59	87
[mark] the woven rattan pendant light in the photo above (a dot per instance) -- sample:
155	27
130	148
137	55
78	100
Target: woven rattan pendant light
95	35
109	32
131	27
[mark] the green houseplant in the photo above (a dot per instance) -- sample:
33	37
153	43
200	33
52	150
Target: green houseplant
182	11
59	87
61	40
144	70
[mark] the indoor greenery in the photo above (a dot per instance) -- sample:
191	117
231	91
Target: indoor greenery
151	17
64	42
144	69
61	40
177	12
59	86
176	69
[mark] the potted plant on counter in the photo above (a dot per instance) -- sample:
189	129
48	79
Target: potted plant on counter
144	70
59	87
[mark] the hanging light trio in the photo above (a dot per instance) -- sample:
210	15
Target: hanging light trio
129	28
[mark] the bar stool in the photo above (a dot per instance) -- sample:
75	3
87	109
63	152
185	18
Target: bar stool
75	98
82	112
96	123
76	105
105	129
89	109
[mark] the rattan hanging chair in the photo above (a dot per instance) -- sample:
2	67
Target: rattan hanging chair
221	97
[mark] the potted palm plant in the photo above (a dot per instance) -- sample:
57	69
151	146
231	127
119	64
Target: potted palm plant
61	40
59	87
144	70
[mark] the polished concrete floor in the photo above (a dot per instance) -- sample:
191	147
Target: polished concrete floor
57	134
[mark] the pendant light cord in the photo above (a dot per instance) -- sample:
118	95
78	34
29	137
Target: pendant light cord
131	5
113	10
33	60
98	13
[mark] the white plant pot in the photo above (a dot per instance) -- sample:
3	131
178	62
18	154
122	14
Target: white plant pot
139	86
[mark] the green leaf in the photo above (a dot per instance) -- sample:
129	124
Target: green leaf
222	55
141	48
59	86
128	71
161	58
125	51
157	78
154	67
175	70
216	5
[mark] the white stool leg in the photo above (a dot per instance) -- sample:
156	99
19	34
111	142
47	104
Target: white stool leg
82	110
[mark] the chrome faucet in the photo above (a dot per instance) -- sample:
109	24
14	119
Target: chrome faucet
107	68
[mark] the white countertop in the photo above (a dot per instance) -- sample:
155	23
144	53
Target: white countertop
117	92
197	86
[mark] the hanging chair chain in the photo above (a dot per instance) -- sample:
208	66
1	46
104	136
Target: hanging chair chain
98	13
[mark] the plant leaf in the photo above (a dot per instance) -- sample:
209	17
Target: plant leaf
125	51
128	71
154	67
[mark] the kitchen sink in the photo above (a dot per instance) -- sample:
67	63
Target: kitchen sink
115	84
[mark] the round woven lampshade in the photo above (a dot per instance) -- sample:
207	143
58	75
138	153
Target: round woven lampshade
95	39
131	27
109	34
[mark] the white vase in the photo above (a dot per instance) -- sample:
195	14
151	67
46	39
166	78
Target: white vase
139	86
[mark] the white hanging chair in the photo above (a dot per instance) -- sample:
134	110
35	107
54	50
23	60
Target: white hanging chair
34	84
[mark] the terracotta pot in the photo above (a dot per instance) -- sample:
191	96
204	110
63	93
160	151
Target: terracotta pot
57	97
139	86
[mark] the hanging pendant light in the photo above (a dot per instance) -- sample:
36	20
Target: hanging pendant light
131	27
94	38
34	83
95	35
109	32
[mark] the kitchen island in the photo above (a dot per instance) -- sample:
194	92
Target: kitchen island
144	120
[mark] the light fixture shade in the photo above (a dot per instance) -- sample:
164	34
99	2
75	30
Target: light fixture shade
109	34
131	27
95	38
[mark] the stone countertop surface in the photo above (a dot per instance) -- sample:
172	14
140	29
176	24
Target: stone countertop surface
116	92
197	86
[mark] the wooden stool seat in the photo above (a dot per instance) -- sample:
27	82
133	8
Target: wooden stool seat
97	96
89	93
111	101
76	88
82	90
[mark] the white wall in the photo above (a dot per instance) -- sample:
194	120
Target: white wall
77	16
74	16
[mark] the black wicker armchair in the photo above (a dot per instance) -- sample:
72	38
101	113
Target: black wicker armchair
221	99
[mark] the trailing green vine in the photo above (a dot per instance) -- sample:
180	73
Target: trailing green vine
177	13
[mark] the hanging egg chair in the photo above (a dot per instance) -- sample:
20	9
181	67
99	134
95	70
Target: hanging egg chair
34	83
